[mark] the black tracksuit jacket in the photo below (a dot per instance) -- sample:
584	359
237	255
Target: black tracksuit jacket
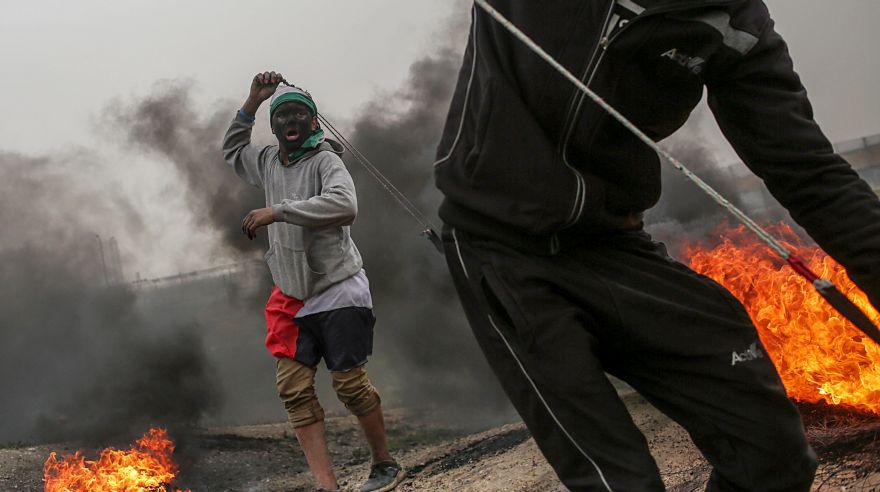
527	160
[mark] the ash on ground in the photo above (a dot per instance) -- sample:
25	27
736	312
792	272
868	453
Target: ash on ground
442	457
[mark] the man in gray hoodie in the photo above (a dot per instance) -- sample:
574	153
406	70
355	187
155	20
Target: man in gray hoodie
321	305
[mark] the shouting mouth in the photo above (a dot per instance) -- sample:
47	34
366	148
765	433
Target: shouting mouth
291	134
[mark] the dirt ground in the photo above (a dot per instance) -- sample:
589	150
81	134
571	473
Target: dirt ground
439	458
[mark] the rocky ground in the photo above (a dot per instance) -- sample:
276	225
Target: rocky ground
439	458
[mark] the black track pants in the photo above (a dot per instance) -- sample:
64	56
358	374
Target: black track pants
552	326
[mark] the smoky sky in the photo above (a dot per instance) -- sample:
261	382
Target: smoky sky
167	125
77	358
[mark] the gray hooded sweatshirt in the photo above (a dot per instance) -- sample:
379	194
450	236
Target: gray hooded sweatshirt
313	197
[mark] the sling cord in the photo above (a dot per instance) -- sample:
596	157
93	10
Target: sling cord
374	171
386	183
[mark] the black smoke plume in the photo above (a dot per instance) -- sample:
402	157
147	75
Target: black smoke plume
685	213
167	125
77	358
431	354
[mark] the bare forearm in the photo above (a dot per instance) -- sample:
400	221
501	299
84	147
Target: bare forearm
251	106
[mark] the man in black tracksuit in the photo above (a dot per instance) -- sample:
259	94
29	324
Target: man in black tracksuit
544	194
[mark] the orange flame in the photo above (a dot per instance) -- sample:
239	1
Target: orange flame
146	466
820	356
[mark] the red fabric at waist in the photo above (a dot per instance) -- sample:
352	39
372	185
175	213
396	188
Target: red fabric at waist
281	330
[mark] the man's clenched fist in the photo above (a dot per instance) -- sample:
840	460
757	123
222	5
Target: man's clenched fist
263	86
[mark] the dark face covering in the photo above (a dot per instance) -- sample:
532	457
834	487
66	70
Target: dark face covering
292	126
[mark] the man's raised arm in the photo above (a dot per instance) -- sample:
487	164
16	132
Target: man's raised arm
248	162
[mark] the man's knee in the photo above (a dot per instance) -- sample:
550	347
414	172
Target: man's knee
296	388
354	389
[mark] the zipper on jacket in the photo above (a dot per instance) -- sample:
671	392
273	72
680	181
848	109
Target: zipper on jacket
601	48
580	197
604	43
573	110
568	116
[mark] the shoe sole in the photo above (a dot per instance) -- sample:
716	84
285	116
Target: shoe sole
393	485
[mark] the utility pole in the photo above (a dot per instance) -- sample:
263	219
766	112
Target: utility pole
103	261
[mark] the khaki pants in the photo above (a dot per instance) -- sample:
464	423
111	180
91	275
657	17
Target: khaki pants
296	388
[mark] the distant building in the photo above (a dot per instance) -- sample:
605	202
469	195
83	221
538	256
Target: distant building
251	269
207	292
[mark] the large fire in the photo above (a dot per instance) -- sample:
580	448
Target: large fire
820	356
145	466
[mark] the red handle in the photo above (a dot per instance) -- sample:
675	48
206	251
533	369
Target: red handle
801	268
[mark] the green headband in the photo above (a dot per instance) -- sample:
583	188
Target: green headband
293	96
